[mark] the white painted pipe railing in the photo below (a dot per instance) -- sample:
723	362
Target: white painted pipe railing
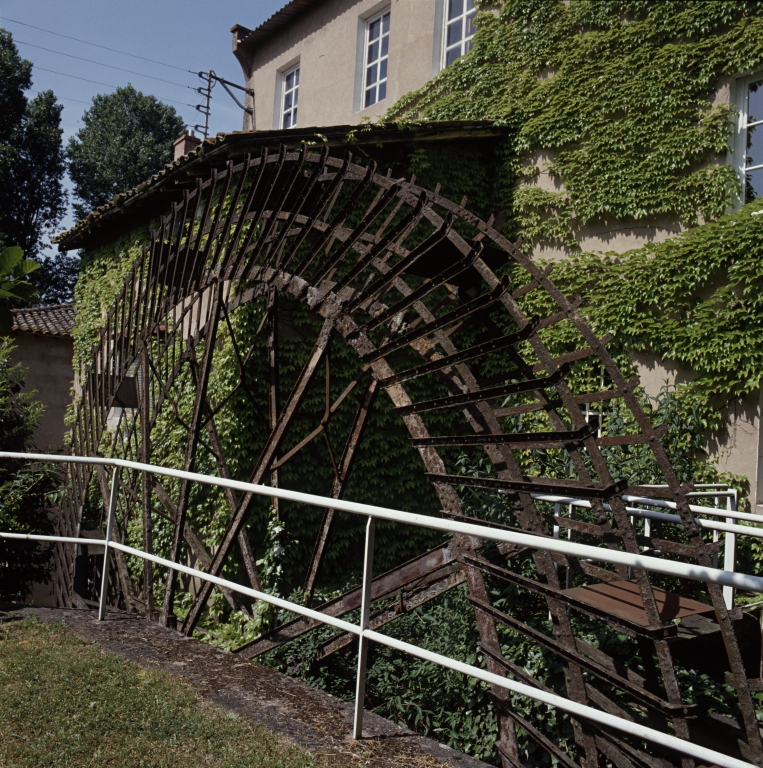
550	544
728	527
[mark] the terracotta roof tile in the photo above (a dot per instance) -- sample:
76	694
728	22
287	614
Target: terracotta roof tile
279	19
55	320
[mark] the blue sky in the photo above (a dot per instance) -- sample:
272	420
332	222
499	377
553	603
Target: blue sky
189	34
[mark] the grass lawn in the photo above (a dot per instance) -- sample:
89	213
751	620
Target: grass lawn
66	702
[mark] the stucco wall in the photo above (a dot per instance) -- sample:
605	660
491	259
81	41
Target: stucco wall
327	41
737	447
615	235
48	360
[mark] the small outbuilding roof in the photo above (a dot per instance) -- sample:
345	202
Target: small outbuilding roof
131	208
54	320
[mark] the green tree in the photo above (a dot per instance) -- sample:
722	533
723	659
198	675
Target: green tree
15	77
32	159
127	136
56	278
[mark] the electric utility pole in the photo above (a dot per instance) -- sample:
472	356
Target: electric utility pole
210	79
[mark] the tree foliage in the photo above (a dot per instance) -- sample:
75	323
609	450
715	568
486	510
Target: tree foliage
15	78
127	137
56	278
14	286
24	489
32	162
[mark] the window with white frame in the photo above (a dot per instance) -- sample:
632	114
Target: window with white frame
376	57
751	117
290	98
459	29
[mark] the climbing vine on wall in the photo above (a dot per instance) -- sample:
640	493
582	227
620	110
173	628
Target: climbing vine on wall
614	99
617	95
102	274
695	300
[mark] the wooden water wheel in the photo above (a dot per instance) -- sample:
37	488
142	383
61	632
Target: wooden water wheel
429	301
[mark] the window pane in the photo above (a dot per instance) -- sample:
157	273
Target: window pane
290	95
455	8
468	46
754	145
754	185
755	102
469	5
470	26
382	90
452	55
454	33
376	59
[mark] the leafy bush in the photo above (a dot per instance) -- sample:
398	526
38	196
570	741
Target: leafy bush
14	286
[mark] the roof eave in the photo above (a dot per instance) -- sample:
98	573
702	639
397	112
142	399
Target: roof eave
175	177
270	26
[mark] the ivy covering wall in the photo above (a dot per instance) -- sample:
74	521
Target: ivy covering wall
618	92
627	104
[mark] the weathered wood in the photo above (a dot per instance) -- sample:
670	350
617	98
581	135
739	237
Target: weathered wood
346	235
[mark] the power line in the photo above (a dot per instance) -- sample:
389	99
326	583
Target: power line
76	77
111	66
62	98
96	45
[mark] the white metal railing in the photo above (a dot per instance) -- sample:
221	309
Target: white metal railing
729	528
362	631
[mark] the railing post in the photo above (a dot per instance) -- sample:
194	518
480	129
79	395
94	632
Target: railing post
716	535
730	546
633	524
568	575
109	528
365	612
